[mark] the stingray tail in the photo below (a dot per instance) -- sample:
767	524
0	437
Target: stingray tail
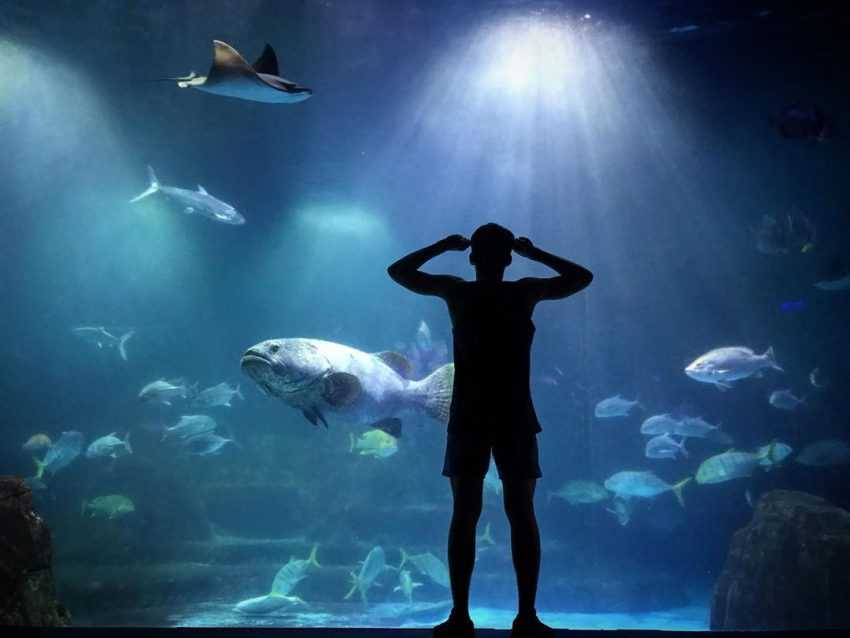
151	189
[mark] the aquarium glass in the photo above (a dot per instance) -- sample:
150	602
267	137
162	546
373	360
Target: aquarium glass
163	214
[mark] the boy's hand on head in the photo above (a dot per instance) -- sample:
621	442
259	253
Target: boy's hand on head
523	246
455	242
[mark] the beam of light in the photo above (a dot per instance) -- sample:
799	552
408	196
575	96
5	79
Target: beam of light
69	174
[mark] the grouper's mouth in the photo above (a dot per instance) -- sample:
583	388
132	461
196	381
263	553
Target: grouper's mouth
259	368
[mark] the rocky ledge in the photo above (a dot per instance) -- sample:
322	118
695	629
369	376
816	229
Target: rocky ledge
26	582
788	569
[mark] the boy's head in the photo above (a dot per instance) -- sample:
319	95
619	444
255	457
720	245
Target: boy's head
491	247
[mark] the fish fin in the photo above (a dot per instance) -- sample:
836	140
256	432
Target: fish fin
39	468
267	62
677	490
152	188
391	426
122	343
238	392
127	443
404	558
351	442
723	385
312	557
354	586
202	190
83	507
341	388
188	210
314	415
771	359
682	447
397	362
434	392
397	588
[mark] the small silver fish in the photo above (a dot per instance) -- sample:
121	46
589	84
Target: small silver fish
664	446
163	391
614	406
218	395
109	446
722	366
187	426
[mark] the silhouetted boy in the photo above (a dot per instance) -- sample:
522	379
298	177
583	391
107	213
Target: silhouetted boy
491	408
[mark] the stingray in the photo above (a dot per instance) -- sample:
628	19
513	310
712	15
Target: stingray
231	75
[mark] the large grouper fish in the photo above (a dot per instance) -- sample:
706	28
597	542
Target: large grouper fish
324	379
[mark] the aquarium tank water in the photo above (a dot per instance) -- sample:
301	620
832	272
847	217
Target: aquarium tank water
228	412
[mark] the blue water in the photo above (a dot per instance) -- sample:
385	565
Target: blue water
621	138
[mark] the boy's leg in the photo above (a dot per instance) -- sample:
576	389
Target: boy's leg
525	540
467	497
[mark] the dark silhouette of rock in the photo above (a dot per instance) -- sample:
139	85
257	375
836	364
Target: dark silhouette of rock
26	581
788	569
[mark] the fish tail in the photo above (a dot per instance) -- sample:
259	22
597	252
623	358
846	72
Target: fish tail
312	557
238	392
682	447
83	505
404	558
354	586
677	490
434	392
351	442
127	443
122	343
549	496
152	188
771	359
39	467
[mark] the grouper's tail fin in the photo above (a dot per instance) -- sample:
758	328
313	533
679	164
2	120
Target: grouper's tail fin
151	189
434	392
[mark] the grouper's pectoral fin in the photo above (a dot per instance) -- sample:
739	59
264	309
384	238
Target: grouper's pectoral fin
390	425
341	388
314	415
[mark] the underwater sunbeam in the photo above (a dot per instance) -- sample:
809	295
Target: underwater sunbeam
525	57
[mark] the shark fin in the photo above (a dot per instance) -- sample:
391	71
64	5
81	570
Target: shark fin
202	190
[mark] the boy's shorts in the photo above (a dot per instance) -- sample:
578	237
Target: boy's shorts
468	454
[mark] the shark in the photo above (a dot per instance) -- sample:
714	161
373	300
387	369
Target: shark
231	75
197	201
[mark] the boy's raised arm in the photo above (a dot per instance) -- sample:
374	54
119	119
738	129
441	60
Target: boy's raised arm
406	270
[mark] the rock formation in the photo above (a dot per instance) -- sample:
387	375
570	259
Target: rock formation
788	569
26	581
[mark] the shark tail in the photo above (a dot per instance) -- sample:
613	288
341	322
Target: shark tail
122	343
152	188
434	392
677	490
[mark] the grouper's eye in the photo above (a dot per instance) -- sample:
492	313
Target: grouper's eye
274	348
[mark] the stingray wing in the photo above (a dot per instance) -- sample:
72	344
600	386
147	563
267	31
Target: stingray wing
227	62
